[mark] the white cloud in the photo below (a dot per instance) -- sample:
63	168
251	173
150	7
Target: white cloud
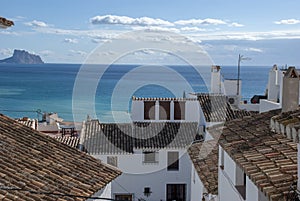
36	23
231	47
98	40
124	20
70	40
251	49
78	52
10	33
288	21
156	29
100	35
195	22
6	52
146	51
235	24
192	29
46	53
231	35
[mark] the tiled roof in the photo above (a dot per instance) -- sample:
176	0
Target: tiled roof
124	138
31	123
162	99
269	159
70	141
32	161
204	156
216	108
287	124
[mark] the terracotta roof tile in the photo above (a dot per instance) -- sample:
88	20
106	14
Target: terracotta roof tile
204	156
269	159
35	162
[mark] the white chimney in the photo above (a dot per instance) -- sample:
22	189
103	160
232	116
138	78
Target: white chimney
273	86
290	90
215	84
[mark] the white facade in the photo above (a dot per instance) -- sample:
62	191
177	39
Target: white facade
275	93
274	84
197	187
216	84
298	161
267	105
231	177
231	87
137	175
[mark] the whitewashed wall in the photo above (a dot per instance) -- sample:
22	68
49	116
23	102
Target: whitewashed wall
298	161
228	179
137	175
231	87
216	82
273	85
266	105
197	187
249	107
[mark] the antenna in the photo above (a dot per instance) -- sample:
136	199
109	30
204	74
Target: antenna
241	58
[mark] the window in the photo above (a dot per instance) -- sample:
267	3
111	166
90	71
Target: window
149	110
176	192
179	110
112	160
173	160
240	183
164	110
221	157
150	157
123	197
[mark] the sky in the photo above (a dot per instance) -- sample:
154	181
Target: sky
68	31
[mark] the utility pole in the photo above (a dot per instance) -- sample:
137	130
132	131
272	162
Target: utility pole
241	58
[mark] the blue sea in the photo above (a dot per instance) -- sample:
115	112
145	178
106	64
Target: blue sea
30	90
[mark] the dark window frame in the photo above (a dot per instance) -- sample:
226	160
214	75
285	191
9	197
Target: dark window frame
173	161
147	158
176	192
149	106
179	110
164	109
112	160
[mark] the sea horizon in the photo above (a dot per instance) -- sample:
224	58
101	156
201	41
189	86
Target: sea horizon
26	89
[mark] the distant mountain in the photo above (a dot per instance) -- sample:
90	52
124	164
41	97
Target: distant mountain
23	57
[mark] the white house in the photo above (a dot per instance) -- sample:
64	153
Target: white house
257	161
204	155
151	155
274	95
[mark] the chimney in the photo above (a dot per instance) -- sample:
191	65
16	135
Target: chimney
273	86
215	85
290	90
